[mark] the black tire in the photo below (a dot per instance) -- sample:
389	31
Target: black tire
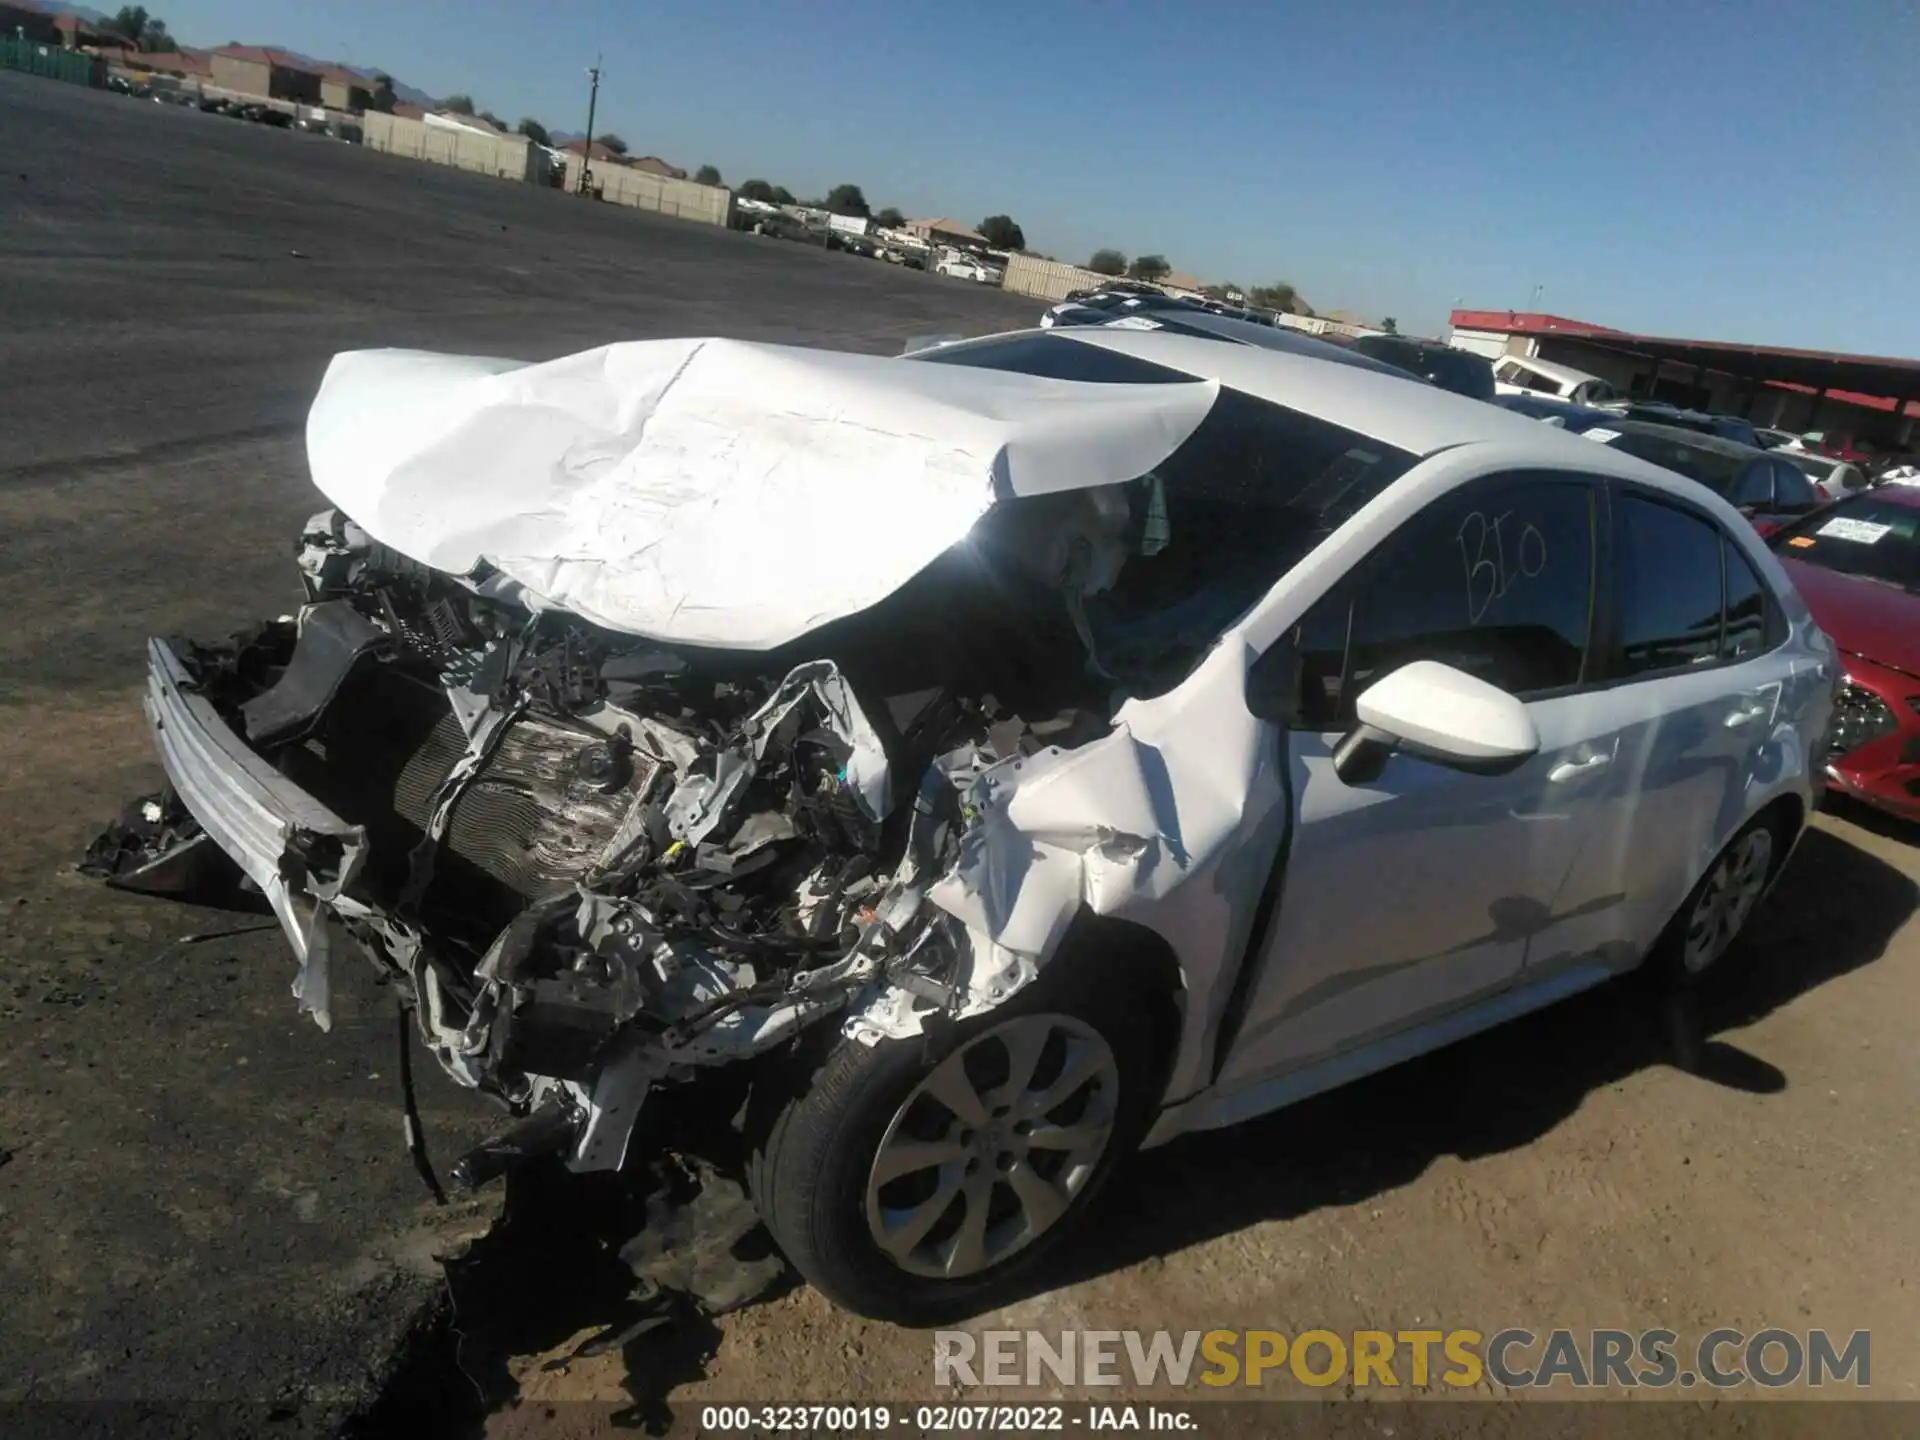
1669	963
819	1128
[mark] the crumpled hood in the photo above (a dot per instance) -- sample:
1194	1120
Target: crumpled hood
712	492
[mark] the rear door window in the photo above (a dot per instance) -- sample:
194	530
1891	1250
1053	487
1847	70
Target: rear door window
1667	588
1751	625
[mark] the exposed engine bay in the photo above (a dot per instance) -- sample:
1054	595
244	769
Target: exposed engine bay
600	863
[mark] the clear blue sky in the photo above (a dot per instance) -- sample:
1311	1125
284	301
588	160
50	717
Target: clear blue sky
1746	171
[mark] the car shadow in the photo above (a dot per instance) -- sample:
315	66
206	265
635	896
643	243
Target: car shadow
1876	822
1835	909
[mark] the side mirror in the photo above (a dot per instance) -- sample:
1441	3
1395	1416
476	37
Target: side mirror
1435	712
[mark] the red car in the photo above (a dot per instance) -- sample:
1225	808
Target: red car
1857	563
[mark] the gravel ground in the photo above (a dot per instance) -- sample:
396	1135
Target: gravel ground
204	1197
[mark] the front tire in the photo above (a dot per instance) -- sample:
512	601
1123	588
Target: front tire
923	1180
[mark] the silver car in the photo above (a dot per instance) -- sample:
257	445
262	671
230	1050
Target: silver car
996	759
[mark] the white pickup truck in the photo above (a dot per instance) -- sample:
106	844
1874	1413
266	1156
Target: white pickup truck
1519	375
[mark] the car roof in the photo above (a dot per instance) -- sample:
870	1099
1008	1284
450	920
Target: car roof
1537	406
1378	401
1698	439
1686	412
1414	340
1267	337
1795	457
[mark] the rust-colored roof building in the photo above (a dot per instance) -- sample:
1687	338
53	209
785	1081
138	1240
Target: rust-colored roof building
654	165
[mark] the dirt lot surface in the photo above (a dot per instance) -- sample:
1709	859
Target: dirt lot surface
204	1197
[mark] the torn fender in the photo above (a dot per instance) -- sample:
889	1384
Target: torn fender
1173	822
712	492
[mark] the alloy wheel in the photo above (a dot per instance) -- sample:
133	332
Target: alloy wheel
991	1149
1732	889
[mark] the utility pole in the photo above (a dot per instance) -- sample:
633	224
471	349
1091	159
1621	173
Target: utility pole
586	151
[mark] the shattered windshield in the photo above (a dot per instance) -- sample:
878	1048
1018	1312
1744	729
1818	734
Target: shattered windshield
1151	572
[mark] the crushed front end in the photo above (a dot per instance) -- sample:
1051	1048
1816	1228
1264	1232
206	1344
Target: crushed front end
597	866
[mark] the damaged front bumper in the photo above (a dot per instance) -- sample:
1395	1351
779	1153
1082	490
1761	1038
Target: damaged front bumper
300	855
649	955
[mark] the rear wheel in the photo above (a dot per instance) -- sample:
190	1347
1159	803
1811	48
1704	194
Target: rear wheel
918	1181
1718	909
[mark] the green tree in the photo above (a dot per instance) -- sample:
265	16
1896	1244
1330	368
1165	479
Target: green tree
613	142
383	99
139	29
534	130
458	104
756	190
1149	267
1390	325
889	217
492	119
707	175
781	195
847	200
1003	233
1277	296
130	23
1108	262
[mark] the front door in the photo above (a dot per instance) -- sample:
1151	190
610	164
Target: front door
1424	890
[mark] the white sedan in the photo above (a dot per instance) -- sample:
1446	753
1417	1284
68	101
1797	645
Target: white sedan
999	758
962	266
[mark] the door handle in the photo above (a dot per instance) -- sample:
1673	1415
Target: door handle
1746	715
1572	769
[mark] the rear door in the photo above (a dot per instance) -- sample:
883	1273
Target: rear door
1694	678
1422	891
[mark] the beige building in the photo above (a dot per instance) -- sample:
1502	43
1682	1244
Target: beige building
944	231
267	73
344	90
